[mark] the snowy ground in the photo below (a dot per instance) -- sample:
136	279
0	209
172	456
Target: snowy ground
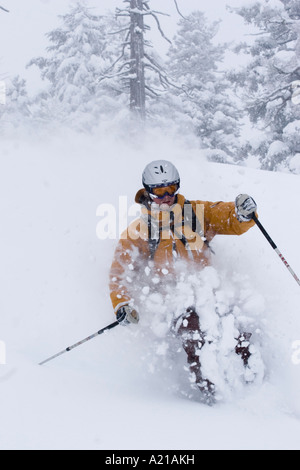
108	393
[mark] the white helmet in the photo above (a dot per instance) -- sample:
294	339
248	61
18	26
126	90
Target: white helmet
160	173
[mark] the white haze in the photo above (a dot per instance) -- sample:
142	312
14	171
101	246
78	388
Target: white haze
120	391
112	392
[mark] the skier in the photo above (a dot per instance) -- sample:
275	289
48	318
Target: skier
170	229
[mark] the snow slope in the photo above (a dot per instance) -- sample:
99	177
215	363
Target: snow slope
108	394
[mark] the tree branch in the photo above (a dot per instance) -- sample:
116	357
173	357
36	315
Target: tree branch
178	11
4	9
159	27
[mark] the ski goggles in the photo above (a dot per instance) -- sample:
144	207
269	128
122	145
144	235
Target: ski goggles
161	192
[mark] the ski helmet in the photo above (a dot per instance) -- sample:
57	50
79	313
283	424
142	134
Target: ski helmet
160	173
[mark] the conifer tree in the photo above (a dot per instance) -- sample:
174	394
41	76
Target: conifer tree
16	110
271	79
81	51
195	65
137	64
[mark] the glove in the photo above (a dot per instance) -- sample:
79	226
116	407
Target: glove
245	207
127	315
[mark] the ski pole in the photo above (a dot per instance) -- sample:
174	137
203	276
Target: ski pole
109	327
273	245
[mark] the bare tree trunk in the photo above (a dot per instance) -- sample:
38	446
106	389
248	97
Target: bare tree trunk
137	72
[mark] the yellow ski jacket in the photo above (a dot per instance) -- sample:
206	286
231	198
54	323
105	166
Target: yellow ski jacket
163	237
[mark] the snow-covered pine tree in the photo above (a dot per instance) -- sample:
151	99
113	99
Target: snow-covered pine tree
81	51
270	80
16	110
138	67
205	95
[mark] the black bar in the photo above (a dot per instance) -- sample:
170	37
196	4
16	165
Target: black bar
109	327
264	232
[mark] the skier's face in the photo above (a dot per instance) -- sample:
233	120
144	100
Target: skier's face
164	195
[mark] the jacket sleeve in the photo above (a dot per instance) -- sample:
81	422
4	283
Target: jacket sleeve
220	219
127	252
